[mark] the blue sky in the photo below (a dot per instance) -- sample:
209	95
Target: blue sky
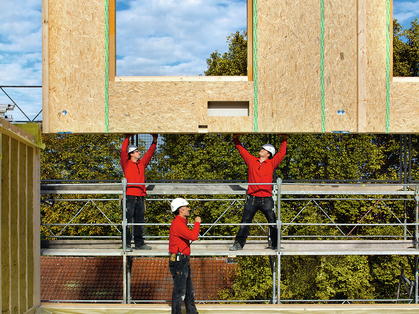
179	36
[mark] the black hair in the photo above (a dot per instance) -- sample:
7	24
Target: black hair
176	212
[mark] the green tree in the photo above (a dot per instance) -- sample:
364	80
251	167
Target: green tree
406	49
81	158
233	62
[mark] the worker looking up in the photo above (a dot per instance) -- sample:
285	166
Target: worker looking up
259	197
134	167
180	238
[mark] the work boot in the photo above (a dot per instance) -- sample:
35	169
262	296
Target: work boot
236	247
143	247
128	249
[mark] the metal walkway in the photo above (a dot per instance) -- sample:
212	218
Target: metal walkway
220	248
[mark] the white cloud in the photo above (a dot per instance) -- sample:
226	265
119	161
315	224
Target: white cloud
163	37
405	12
21	57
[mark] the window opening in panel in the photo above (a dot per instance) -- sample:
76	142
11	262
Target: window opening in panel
174	38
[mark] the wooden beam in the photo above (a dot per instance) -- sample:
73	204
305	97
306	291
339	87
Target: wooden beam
112	40
250	40
45	66
362	66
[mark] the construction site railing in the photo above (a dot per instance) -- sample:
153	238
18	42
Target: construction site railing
289	192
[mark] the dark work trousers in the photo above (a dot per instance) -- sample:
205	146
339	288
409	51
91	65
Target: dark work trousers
135	209
183	289
251	206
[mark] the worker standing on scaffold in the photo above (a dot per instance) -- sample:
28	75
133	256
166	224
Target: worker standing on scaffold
180	239
134	167
259	197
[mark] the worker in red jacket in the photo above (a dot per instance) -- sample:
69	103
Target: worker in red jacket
180	239
259	197
134	170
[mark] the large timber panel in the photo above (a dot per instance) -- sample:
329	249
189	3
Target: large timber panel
176	107
320	66
404	107
290	66
76	66
376	70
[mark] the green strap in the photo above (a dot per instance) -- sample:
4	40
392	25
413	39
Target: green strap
255	71
388	67
106	66
323	114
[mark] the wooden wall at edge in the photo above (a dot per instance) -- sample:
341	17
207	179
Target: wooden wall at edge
19	222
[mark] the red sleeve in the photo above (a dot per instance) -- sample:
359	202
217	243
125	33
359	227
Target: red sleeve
276	160
186	233
124	154
243	152
147	156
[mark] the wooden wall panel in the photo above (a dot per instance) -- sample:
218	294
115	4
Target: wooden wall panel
76	66
288	62
404	107
340	65
376	70
175	107
5	227
19	220
289	75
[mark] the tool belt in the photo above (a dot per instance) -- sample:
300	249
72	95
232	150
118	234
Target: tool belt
177	257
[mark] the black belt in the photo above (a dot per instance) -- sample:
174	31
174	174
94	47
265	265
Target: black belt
178	256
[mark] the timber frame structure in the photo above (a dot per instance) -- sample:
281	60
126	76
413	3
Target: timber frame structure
313	67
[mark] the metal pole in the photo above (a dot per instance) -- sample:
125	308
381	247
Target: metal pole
124	236
273	281
278	220
129	266
416	244
124	274
278	255
279	226
124	214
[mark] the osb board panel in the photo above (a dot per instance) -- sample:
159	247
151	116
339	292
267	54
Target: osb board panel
76	66
340	65
288	49
19	190
176	107
4	229
22	220
404	106
288	66
13	232
376	69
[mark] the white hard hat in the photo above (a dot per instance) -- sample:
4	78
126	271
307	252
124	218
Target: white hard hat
131	148
177	203
270	148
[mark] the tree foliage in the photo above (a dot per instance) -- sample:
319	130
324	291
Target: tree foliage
406	49
80	158
233	62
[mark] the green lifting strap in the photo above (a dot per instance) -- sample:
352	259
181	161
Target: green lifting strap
388	28
323	114
107	66
255	68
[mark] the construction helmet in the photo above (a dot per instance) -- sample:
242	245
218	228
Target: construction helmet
131	148
177	203
270	148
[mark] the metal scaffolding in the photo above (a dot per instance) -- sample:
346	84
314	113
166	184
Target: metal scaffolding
342	241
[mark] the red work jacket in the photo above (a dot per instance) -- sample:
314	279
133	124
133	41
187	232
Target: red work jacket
134	172
260	172
180	236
